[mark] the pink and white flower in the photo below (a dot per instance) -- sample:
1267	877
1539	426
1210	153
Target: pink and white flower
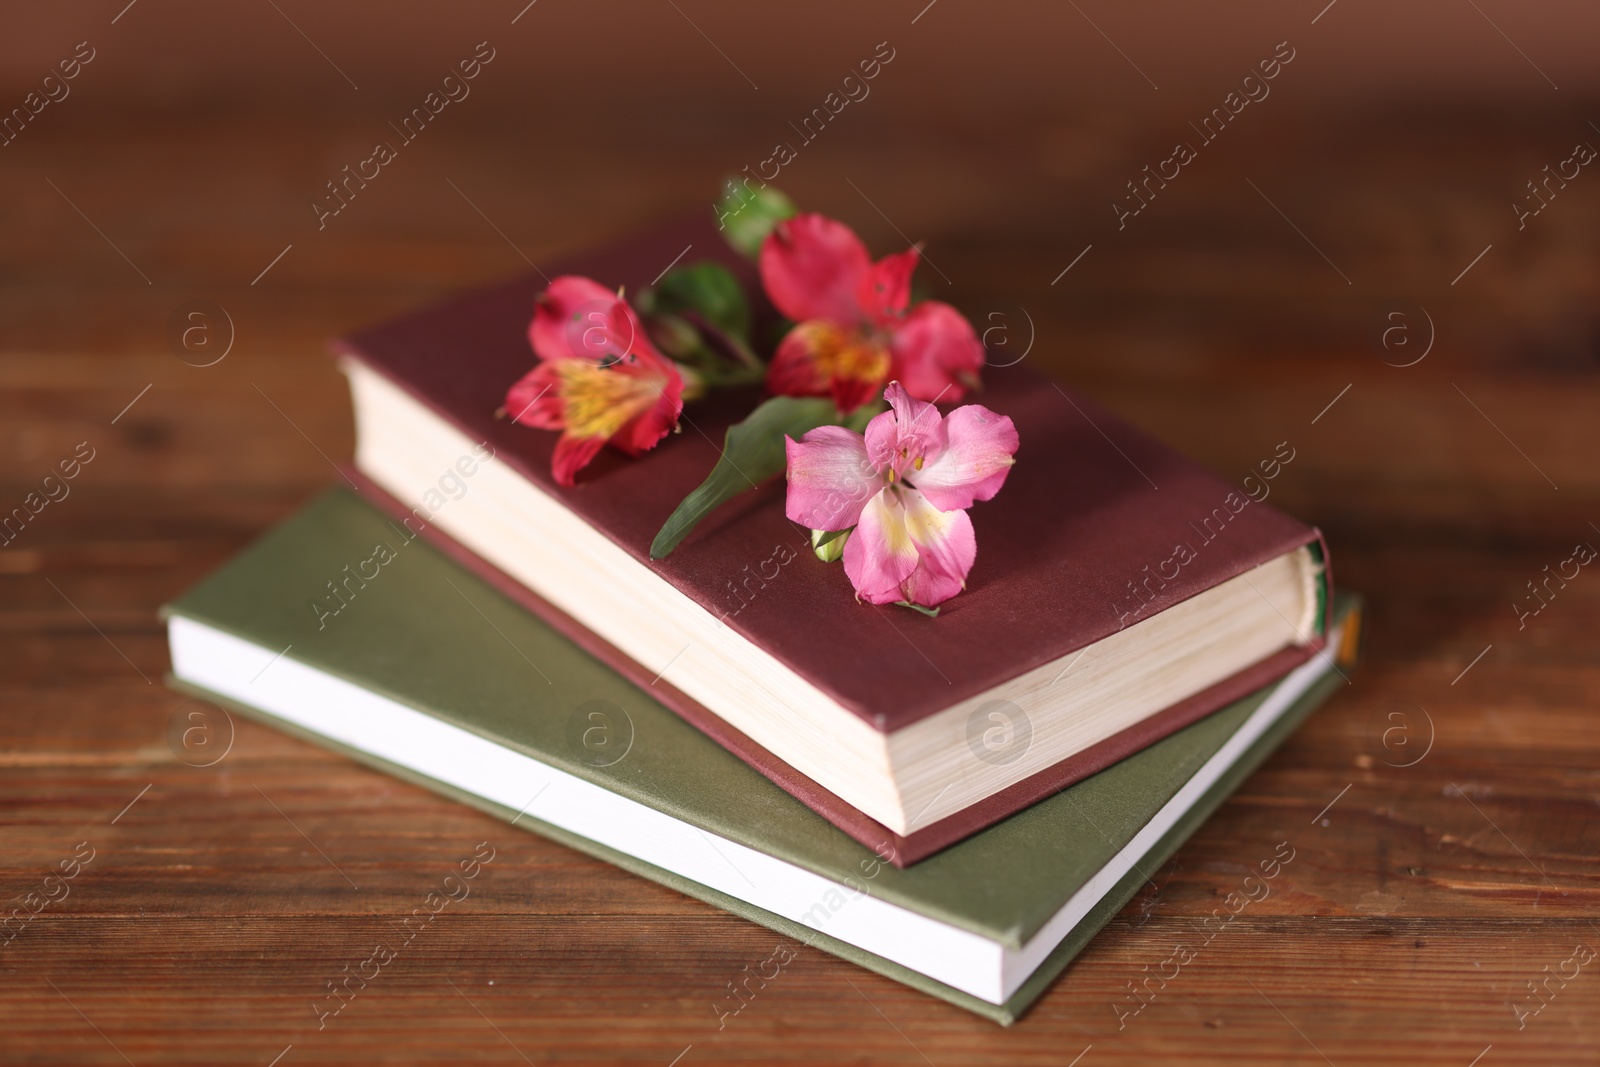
904	486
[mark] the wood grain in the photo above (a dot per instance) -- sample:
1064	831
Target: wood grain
1421	902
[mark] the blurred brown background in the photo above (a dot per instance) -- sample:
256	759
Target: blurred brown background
1254	300
175	52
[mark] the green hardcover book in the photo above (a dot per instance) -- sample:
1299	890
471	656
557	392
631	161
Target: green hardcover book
420	668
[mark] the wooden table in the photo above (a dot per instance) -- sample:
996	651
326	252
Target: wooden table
1445	807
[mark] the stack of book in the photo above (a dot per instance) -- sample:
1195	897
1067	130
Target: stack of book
958	802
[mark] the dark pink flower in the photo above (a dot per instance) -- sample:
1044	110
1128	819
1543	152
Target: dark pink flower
853	329
599	378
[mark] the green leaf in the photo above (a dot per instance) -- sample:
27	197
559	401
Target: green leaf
709	289
745	215
753	453
932	613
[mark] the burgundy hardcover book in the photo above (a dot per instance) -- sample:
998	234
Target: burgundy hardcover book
1120	590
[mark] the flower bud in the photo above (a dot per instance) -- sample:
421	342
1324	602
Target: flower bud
674	337
746	214
829	545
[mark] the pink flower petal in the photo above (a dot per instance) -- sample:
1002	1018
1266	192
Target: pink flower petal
946	548
883	440
880	554
905	434
572	454
578	318
886	289
535	400
641	433
936	353
830	478
977	456
795	369
813	268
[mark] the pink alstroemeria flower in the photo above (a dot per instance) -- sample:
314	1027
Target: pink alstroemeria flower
853	331
599	378
905	487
